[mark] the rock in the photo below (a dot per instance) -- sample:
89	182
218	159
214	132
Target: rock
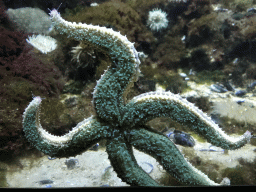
46	181
30	20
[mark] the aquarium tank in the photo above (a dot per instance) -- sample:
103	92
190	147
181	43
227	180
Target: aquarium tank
113	93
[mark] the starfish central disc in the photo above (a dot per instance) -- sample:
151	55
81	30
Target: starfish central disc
122	123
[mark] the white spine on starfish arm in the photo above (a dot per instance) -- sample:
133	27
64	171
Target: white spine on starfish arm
191	107
48	137
60	140
108	38
107	33
225	181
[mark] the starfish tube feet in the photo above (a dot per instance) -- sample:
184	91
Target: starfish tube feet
80	138
150	105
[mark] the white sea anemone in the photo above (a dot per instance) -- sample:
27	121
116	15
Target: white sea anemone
43	43
157	19
94	4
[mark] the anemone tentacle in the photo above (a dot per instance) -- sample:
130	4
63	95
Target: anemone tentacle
76	141
145	107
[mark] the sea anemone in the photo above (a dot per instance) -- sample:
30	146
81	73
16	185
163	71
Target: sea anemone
43	43
157	19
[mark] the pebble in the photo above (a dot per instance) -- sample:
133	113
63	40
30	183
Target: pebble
46	181
147	167
240	101
71	163
253	10
252	85
183	75
51	158
218	88
181	138
95	147
213	149
48	186
240	93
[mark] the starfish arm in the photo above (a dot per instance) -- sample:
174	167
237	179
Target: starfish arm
169	156
110	92
165	104
79	139
124	163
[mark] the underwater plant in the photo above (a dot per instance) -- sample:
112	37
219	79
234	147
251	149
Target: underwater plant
122	122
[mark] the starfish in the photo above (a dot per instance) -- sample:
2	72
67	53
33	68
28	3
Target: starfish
122	122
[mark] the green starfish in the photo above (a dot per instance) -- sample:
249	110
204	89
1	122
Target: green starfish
122	123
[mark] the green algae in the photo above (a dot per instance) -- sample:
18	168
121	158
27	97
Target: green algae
209	77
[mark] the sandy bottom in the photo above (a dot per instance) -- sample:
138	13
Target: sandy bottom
92	170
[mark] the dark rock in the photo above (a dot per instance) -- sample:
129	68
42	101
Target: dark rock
71	163
218	88
240	93
46	181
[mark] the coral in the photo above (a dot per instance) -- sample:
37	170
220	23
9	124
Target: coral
122	123
157	20
43	43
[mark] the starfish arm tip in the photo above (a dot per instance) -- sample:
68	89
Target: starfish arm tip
225	181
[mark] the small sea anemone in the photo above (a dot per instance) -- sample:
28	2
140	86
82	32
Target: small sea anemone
43	43
83	52
157	19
